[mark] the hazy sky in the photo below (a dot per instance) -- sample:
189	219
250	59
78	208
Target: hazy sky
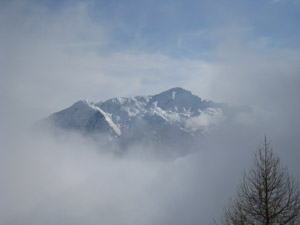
56	52
53	53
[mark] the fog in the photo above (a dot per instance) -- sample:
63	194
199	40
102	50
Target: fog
69	179
52	58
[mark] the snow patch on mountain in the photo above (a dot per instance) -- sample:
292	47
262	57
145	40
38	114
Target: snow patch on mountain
171	117
85	117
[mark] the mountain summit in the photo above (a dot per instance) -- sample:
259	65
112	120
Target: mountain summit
170	118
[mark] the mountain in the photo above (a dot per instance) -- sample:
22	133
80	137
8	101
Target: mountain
83	116
172	118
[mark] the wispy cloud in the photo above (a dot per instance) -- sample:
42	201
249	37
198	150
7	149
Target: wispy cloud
66	56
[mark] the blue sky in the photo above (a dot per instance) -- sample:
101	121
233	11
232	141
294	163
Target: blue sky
182	28
226	51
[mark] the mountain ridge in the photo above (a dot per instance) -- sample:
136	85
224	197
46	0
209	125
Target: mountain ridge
170	118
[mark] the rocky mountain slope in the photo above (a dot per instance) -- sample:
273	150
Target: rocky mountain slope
171	118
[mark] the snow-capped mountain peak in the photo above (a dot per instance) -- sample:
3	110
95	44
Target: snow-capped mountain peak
167	117
85	116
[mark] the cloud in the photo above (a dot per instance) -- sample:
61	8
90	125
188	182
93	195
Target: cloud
56	57
68	181
63	56
205	121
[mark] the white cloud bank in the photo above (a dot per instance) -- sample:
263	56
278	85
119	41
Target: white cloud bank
67	181
52	59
